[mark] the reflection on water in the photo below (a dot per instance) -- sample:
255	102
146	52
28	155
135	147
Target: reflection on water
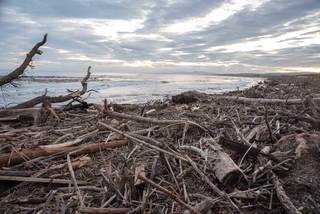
127	88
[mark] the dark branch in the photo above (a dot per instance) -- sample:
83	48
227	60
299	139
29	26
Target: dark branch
19	71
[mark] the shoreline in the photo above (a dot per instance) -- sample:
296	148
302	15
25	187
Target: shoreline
134	90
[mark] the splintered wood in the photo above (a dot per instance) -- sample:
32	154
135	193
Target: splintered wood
237	152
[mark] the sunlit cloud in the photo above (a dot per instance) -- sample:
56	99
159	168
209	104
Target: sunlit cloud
109	28
224	11
272	44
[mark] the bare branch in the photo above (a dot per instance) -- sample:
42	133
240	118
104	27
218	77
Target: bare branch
19	71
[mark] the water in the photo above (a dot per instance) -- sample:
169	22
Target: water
125	88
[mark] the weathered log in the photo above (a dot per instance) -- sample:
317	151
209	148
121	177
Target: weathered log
147	120
224	168
247	100
38	180
57	99
18	157
103	210
19	71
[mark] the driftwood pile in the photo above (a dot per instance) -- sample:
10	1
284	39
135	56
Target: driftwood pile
251	151
239	152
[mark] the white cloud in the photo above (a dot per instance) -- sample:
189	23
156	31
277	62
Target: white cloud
272	44
108	28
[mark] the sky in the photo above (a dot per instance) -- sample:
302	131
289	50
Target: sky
178	36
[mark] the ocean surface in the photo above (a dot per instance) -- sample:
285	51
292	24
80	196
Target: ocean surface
124	88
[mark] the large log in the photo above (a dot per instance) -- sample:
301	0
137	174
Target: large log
18	157
222	164
247	100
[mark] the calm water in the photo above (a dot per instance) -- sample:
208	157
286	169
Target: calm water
126	88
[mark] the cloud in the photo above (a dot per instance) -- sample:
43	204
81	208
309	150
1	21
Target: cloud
216	15
163	35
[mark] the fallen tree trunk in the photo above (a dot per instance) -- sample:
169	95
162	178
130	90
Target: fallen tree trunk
247	100
19	71
57	99
18	157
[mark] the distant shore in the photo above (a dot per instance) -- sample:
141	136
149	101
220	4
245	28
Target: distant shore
103	77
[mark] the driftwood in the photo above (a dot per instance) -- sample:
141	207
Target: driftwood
71	142
144	119
18	157
247	100
134	139
158	153
224	167
19	71
283	198
215	189
104	210
57	99
38	180
168	193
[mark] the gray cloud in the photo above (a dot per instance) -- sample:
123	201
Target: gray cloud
123	35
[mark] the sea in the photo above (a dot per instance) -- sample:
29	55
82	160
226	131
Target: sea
122	88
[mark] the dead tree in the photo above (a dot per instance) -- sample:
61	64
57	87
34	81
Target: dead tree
19	71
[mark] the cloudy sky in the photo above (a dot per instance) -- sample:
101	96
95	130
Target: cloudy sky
162	35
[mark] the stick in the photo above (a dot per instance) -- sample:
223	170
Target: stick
268	126
71	142
283	198
38	180
140	141
74	181
170	194
149	120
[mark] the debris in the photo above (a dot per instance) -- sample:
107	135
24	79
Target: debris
250	151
